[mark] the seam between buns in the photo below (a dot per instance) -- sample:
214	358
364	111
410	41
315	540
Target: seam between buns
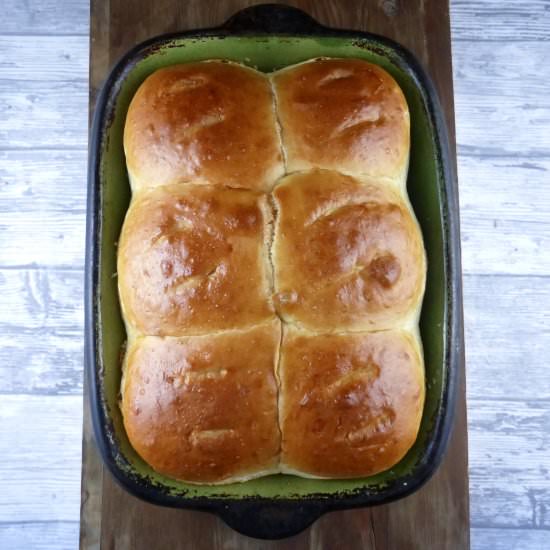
270	245
279	383
278	125
363	178
402	326
192	182
267	241
137	334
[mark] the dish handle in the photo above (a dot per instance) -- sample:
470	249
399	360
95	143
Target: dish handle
264	520
272	18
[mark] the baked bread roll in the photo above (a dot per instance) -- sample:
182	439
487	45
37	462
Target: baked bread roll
208	122
347	255
239	232
343	114
350	404
204	408
193	259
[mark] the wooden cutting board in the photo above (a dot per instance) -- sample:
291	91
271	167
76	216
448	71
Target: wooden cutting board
437	516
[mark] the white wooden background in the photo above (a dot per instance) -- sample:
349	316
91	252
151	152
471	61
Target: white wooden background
501	52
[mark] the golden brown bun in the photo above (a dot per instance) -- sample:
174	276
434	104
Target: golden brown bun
205	395
350	404
192	259
348	255
343	114
208	121
204	408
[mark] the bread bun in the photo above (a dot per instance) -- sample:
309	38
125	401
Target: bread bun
209	121
350	404
343	114
192	259
348	255
204	408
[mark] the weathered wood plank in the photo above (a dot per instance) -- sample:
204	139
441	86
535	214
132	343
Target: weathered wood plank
40	436
500	20
39	300
500	88
50	180
508	188
90	493
45	17
91	482
44	58
58	535
510	539
505	213
504	246
40	115
507	337
41	336
510	468
55	241
40	361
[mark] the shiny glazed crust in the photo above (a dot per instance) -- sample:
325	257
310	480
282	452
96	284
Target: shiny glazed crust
348	255
220	255
351	403
192	260
343	114
204	408
209	121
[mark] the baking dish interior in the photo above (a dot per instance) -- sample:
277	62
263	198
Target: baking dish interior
427	193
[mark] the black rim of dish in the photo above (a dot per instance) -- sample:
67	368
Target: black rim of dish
257	516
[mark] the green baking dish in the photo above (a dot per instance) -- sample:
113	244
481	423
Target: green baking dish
270	37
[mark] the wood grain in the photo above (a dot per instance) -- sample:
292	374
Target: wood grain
505	215
43	181
503	353
438	514
57	59
50	17
521	427
43	331
41	491
54	535
39	116
510	539
489	119
37	238
494	20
